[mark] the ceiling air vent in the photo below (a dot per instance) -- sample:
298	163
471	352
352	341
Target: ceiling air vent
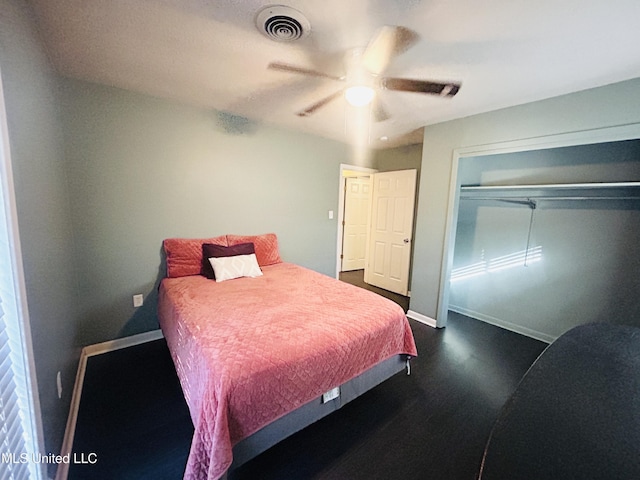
282	23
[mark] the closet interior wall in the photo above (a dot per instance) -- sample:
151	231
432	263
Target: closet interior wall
540	260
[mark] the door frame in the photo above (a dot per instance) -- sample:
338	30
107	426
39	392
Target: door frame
583	137
344	169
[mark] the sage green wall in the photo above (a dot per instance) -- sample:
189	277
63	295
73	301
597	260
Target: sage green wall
612	105
42	202
398	158
142	169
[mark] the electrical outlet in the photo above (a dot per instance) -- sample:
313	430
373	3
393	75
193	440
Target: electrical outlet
138	300
59	384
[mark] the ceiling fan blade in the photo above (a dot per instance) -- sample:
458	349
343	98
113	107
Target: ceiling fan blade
389	41
283	67
320	103
445	89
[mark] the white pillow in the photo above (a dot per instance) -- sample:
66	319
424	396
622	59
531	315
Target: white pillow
227	268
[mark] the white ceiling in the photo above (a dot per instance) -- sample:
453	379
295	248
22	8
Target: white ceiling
209	53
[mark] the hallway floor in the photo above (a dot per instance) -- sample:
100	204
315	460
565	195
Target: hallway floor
356	277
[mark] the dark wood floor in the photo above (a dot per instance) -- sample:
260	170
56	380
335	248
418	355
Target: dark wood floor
356	277
430	425
133	416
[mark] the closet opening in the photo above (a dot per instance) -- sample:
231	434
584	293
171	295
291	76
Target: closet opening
541	234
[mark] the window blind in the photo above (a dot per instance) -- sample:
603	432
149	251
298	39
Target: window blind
17	425
14	466
12	431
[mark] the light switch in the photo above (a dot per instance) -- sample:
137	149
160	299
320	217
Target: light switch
330	214
138	300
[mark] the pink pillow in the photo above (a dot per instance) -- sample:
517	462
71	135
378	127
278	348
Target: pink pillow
184	255
266	246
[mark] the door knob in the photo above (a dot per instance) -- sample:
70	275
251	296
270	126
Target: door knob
406	240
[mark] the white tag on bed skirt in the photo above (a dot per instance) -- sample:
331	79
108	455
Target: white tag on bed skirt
330	395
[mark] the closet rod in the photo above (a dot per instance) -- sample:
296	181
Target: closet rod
565	191
553	186
515	199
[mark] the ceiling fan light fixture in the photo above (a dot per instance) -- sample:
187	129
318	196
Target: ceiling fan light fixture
359	95
365	70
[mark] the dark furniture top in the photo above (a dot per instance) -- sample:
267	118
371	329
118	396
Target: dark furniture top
575	413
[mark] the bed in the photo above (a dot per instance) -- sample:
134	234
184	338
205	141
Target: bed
261	356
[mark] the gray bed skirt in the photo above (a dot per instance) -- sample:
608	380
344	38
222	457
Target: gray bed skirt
313	411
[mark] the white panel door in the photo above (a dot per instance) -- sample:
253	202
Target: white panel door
391	230
356	220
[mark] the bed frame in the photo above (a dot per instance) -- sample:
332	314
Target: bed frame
313	411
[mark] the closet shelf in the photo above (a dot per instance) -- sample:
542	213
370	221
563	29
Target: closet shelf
562	191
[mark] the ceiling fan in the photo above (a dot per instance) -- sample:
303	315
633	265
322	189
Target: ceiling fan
364	70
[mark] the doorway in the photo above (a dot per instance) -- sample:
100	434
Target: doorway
389	244
357	200
369	220
346	172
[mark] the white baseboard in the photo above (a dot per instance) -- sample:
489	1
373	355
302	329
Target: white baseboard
69	432
119	343
89	351
543	337
418	317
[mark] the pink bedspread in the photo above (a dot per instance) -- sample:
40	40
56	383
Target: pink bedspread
248	351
